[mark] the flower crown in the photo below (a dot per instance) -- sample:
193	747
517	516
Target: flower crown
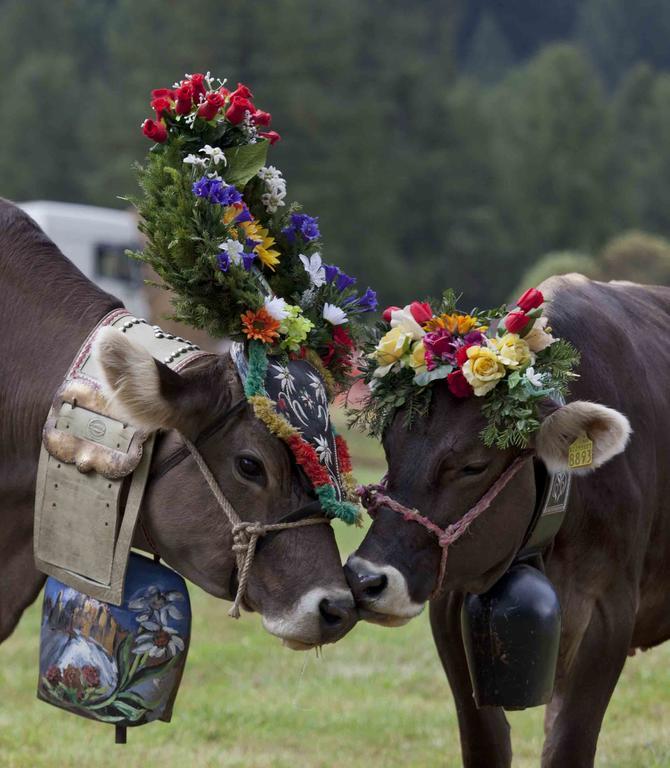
507	357
240	261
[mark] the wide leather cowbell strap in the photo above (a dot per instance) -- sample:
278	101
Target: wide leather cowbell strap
86	509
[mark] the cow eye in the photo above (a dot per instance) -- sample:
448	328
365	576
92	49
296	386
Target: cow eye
473	469
250	467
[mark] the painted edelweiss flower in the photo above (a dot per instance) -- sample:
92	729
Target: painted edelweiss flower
482	370
512	350
333	314
157	606
158	641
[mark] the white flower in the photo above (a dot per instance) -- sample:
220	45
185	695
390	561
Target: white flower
269	173
403	318
215	154
323	449
156	605
538	338
158	641
272	201
196	161
536	379
334	315
234	249
276	307
283	376
314	268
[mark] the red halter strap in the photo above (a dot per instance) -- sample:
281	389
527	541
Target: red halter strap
373	497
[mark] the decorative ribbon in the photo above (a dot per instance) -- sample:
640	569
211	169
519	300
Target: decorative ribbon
373	497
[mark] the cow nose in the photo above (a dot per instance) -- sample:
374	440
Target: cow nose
365	586
336	618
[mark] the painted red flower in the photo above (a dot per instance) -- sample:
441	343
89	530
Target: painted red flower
53	675
72	677
531	299
90	675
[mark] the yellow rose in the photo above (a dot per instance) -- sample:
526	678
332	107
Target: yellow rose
482	370
417	358
513	351
391	348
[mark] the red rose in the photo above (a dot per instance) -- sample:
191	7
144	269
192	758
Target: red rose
212	104
242	91
458	384
421	311
155	130
161	104
340	348
198	85
184	97
272	136
386	314
162	93
531	299
515	322
261	118
462	354
238	106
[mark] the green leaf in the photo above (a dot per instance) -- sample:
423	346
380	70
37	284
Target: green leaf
422	379
132	713
244	162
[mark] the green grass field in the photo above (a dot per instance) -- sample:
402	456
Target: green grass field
378	699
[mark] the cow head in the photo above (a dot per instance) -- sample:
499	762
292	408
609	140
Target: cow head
296	581
441	467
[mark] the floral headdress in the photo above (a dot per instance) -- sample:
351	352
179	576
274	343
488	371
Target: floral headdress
244	264
506	357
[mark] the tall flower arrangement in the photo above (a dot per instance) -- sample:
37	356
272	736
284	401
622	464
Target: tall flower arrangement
505	356
241	261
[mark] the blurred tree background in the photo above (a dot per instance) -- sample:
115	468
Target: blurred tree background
441	143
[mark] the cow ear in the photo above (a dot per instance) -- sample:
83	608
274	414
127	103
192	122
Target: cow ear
608	429
139	389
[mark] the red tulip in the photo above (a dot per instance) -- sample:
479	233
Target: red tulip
515	322
531	299
421	311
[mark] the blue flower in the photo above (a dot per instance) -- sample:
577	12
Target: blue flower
248	260
201	187
344	281
244	215
306	226
331	272
368	301
224	261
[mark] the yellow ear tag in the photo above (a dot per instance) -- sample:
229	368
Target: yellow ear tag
580	453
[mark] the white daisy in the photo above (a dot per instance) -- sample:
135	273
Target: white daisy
276	307
333	314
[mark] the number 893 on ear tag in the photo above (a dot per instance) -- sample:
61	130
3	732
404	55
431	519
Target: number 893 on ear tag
580	453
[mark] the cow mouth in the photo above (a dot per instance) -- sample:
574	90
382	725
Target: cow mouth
383	619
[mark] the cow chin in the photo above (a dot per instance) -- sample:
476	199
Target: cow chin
307	624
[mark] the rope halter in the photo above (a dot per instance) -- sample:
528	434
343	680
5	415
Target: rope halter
246	533
374	496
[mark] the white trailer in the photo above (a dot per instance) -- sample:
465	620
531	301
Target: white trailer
95	240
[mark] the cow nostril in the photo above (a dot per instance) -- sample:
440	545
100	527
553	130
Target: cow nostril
373	584
332	613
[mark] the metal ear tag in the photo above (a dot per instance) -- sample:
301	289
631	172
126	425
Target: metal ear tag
580	453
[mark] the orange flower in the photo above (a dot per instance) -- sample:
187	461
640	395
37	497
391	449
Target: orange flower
260	325
460	324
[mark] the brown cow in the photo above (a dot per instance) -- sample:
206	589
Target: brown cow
47	309
610	562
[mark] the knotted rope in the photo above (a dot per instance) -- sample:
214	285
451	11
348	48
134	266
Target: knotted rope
245	532
373	497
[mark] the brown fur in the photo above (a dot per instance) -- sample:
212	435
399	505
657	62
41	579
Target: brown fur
610	562
48	308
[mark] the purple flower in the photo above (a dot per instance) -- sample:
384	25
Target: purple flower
368	301
201	187
244	215
344	281
440	348
306	226
248	260
224	261
331	272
